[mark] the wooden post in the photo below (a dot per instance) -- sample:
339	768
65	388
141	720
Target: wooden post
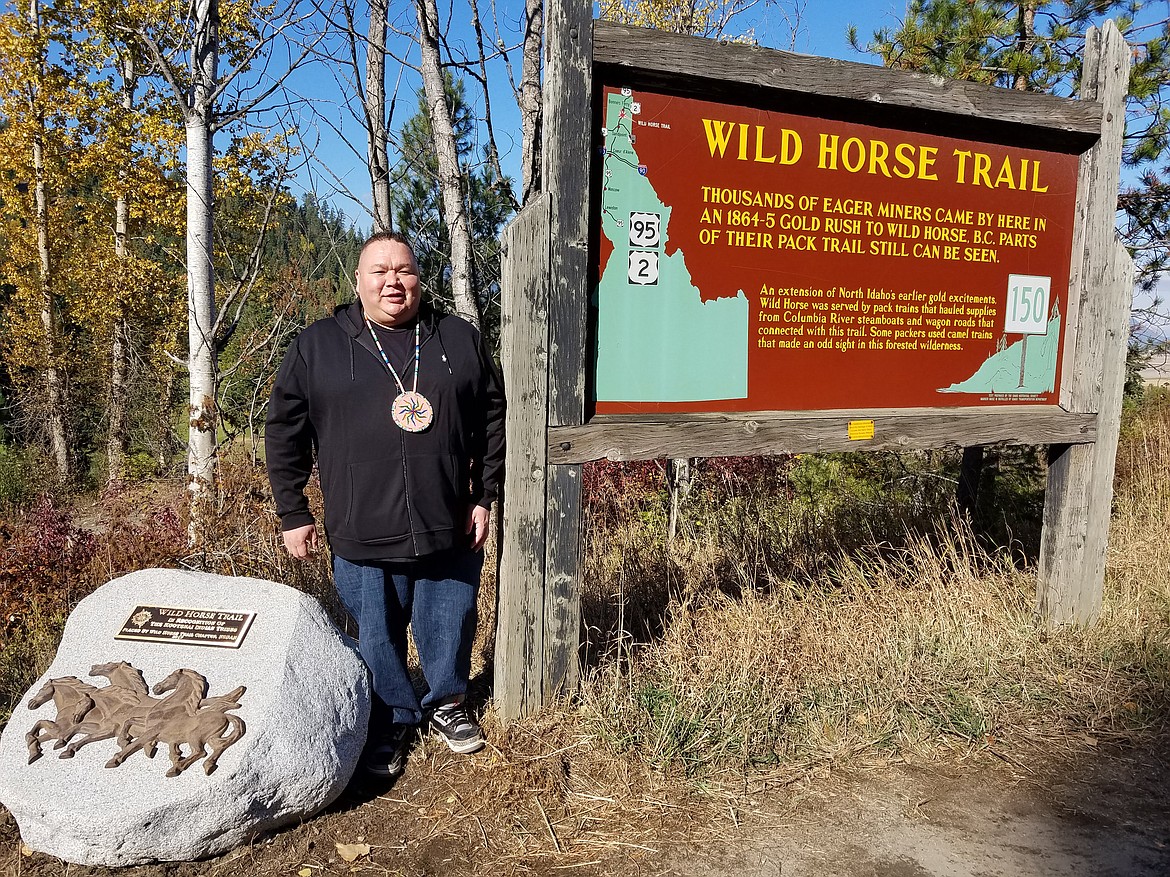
519	649
545	283
567	134
1080	477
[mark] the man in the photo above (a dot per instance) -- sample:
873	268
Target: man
404	410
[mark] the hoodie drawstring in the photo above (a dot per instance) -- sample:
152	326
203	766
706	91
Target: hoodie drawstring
439	335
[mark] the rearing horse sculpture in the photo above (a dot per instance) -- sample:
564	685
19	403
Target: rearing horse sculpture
126	692
72	697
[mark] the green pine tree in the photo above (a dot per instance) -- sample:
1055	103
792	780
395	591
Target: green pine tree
1037	45
418	206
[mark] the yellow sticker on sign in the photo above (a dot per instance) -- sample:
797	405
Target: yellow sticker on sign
860	430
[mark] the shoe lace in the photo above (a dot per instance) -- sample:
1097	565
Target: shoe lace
455	716
397	734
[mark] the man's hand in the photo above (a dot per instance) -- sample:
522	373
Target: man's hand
302	541
477	526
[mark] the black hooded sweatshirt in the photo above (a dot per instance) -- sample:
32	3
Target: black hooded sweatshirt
389	494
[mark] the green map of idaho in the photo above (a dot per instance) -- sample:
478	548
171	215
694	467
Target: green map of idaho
657	340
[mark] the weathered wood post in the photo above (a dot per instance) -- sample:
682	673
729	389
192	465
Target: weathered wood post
519	649
567	136
544	344
1079	497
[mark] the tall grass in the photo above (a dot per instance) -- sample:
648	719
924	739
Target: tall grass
809	610
784	631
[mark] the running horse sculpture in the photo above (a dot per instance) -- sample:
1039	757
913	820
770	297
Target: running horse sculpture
124	709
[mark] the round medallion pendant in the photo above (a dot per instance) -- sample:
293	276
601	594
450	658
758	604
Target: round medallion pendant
411	411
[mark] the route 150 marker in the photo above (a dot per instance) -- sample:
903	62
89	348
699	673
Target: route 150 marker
1027	304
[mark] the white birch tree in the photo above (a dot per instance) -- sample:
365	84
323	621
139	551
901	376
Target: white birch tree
529	99
450	175
55	393
377	154
187	55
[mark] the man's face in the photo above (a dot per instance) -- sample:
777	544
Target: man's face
387	283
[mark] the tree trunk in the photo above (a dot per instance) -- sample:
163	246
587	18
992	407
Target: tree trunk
530	100
200	309
54	393
116	439
679	482
450	174
201	358
120	330
377	159
1025	31
165	430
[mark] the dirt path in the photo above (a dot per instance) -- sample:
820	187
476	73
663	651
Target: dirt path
1100	814
1104	817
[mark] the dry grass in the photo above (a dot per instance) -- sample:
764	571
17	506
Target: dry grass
728	674
765	645
758	667
544	794
916	653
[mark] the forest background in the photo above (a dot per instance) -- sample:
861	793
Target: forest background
178	195
178	198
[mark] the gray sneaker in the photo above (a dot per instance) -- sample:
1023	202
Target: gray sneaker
458	729
386	754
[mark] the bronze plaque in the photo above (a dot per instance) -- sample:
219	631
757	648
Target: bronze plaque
185	626
185	717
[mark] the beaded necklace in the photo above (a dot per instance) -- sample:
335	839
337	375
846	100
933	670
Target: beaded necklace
410	410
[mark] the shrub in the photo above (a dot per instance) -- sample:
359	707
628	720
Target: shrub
44	561
21	472
834	608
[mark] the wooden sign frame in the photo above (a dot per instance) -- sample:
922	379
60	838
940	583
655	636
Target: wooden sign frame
545	338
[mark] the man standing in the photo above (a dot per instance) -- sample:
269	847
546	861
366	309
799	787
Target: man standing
404	411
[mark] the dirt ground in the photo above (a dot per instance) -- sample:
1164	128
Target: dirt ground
1100	811
1106	816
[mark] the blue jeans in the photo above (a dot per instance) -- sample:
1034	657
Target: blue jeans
436	597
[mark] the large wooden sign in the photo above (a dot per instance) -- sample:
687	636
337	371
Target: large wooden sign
753	260
741	251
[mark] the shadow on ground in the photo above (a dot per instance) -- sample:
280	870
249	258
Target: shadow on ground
1102	811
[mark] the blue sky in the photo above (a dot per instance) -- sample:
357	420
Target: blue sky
336	143
822	26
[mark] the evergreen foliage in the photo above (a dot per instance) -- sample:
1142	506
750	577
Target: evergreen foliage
418	206
310	252
1038	45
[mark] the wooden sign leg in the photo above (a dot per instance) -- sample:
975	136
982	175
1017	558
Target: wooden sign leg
568	135
562	598
1079	498
519	647
1080	478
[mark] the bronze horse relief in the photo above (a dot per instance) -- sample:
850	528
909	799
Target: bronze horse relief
124	709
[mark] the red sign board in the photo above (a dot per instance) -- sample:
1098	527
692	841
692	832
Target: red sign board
754	260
